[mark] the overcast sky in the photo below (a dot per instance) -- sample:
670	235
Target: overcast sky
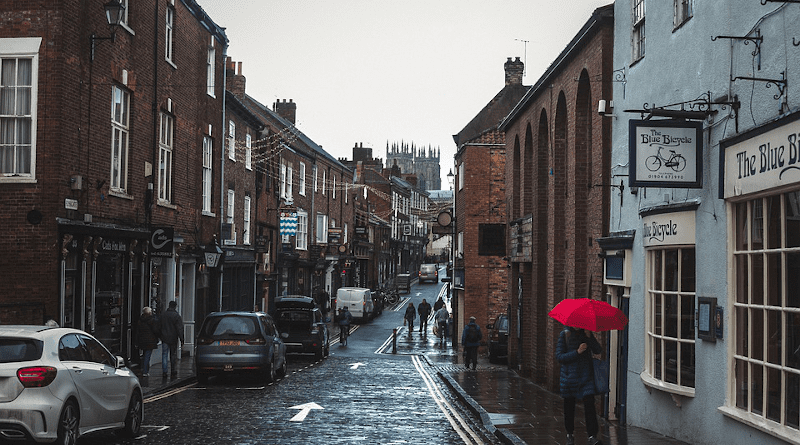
374	71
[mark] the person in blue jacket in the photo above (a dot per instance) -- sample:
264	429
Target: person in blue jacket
471	338
574	353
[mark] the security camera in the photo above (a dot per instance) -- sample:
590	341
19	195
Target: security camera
601	107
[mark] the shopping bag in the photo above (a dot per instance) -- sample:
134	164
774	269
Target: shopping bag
435	331
600	375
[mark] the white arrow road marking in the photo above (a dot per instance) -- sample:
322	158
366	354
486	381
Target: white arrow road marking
304	410
356	365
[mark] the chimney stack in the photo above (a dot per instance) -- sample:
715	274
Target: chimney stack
235	81
514	70
286	110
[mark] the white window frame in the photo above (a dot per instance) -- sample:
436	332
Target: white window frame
283	180
764	312
322	228
683	10
23	165
316	188
333	186
657	322
248	152
230	206
165	157
120	138
301	239
210	68
246	221
301	184
461	176
323	182
289	183
208	170
345	228
638	34
232	140
169	33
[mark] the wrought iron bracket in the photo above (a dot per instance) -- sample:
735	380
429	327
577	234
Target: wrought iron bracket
756	40
779	83
764	2
696	109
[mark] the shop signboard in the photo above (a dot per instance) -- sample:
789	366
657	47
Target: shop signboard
666	229
666	153
161	242
763	159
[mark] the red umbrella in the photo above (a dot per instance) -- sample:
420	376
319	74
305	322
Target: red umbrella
592	315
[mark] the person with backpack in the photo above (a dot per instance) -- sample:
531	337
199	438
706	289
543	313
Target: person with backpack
409	316
424	310
441	322
147	331
471	339
574	353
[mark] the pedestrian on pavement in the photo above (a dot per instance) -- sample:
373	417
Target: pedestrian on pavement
438	305
424	310
574	352
471	338
441	322
171	332
146	337
409	316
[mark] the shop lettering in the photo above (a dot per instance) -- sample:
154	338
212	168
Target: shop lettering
769	158
658	232
114	246
656	137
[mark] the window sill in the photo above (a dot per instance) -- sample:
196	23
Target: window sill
120	194
670	388
169	61
760	423
167	204
211	214
18	180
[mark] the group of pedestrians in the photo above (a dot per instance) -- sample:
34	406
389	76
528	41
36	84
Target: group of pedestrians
168	328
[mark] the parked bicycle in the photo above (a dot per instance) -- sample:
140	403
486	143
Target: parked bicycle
675	161
390	295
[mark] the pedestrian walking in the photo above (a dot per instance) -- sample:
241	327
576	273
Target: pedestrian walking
471	339
574	352
171	332
441	317
409	317
424	310
438	305
147	337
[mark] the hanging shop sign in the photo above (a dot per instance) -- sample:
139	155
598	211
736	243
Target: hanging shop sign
762	159
665	229
288	223
666	153
161	242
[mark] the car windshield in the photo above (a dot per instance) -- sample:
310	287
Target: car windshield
294	316
230	325
19	350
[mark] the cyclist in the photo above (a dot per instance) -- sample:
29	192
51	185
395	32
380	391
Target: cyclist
344	324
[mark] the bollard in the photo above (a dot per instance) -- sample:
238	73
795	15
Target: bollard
394	341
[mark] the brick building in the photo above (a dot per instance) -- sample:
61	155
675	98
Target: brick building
557	193
99	182
480	269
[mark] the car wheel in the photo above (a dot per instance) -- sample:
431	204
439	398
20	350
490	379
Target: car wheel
269	373
68	424
133	420
319	353
284	368
327	349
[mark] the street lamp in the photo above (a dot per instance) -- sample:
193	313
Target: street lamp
115	11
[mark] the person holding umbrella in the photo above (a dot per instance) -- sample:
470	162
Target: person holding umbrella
574	350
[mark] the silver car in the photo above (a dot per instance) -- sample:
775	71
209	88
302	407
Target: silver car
61	383
239	343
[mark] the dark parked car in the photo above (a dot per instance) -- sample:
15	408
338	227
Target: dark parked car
301	325
239	342
428	272
498	338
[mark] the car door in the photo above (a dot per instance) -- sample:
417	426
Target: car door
102	392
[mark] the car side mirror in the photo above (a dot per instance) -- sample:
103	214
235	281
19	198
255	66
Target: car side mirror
284	335
446	279
120	362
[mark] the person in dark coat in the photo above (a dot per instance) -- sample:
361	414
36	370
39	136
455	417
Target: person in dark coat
471	343
409	316
424	310
574	352
438	305
171	332
147	337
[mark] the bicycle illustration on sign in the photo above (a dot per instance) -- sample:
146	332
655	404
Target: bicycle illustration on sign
675	161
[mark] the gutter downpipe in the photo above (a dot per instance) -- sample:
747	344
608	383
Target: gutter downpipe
222	194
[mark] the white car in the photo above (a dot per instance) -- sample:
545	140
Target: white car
61	383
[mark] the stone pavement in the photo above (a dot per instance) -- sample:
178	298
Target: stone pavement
513	408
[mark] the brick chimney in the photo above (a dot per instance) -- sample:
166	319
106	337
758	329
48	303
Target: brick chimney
514	70
235	79
286	110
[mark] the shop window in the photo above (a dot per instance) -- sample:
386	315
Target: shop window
671	321
766	313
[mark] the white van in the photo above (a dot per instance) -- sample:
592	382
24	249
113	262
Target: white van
358	301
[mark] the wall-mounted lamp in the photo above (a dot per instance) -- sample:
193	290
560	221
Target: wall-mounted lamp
115	11
606	108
